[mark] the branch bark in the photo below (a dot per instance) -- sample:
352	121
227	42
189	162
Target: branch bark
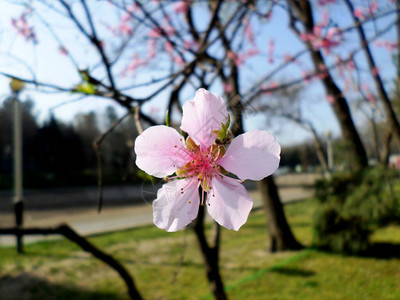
74	237
392	119
280	235
210	256
304	12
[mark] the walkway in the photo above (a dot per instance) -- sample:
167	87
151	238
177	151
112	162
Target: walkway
116	215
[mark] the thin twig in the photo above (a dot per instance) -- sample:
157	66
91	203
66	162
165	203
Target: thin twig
97	147
137	120
210	257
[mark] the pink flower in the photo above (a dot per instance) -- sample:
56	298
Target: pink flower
168	47
155	33
332	39
191	45
306	37
22	27
390	46
359	13
373	8
132	8
307	76
371	98
375	71
151	48
324	19
136	63
124	26
63	50
181	7
287	57
368	94
269	89
330	99
248	31
126	29
351	65
178	60
347	85
228	87
325	2
322	71
271	47
232	55
204	159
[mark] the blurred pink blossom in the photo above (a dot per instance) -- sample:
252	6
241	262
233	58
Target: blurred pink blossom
330	99
271	47
63	50
135	63
326	2
228	87
22	27
359	13
151	48
375	71
389	45
181	7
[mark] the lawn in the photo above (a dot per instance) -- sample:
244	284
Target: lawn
169	266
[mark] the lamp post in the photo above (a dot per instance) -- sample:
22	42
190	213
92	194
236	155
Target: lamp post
329	150
16	87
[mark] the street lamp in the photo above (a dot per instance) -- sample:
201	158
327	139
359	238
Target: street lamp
329	150
16	87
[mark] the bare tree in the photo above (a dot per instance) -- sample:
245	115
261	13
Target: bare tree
143	54
301	12
286	105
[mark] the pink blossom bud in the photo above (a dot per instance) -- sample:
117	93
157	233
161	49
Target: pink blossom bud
330	99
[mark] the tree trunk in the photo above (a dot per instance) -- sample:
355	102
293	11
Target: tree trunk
210	256
280	236
384	159
342	111
276	225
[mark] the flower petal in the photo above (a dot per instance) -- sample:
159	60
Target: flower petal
160	151
252	155
174	209
229	203
202	115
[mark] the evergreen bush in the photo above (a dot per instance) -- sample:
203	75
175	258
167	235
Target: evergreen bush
352	206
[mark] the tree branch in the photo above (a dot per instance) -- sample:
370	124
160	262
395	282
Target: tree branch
85	245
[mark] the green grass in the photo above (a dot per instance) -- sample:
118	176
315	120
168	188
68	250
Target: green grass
169	266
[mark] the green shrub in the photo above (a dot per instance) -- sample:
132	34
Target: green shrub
352	206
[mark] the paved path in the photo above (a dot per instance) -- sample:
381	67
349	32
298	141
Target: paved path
138	212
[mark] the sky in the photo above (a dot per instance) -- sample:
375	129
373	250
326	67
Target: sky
49	65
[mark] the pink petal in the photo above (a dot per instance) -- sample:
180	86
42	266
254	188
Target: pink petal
252	155
160	151
229	203
173	210
202	115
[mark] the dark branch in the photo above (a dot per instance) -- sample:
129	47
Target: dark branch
74	237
